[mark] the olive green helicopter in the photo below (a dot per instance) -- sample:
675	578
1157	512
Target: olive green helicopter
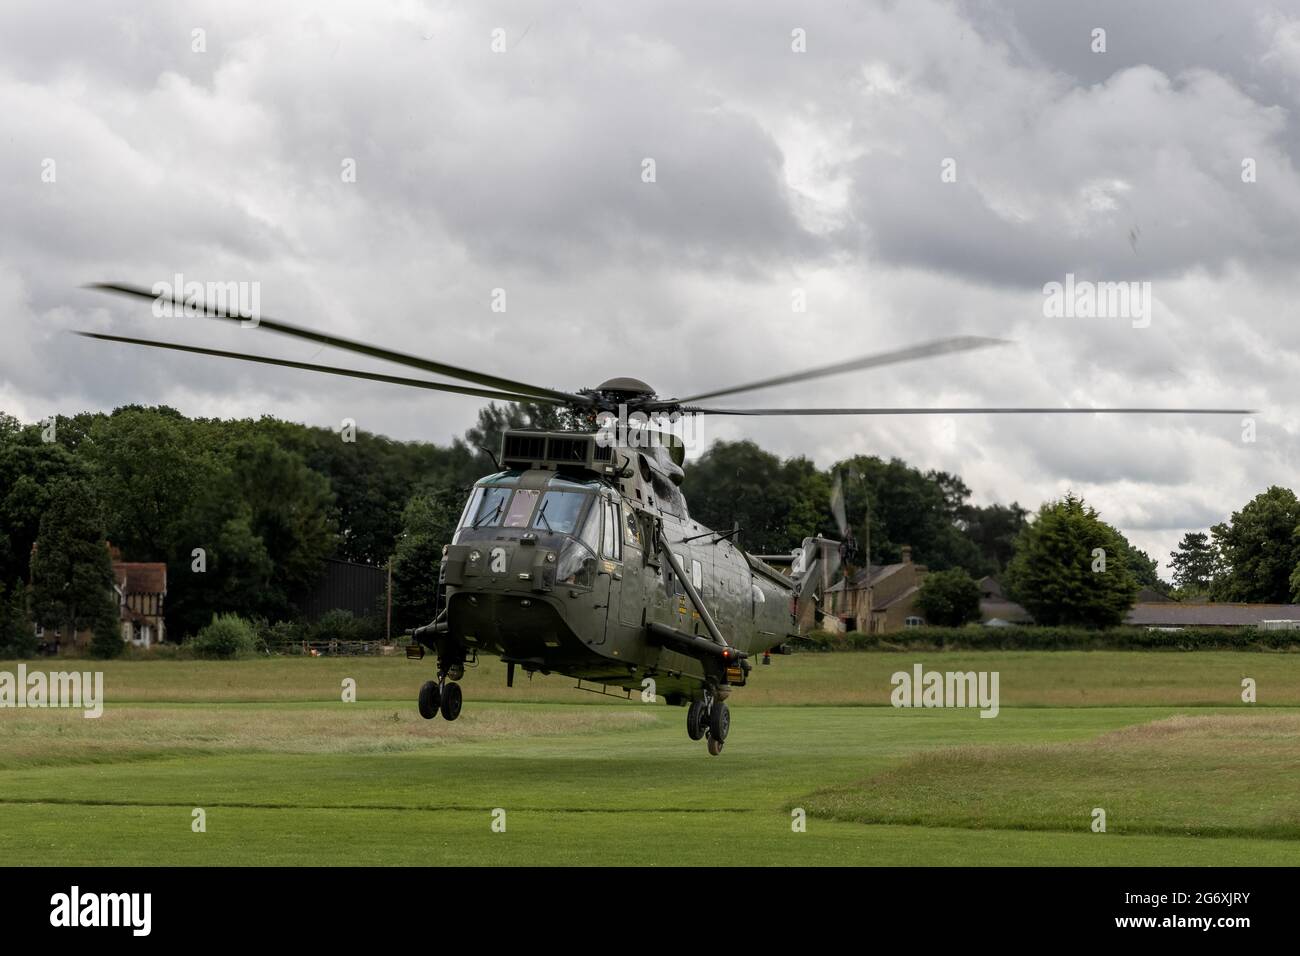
578	555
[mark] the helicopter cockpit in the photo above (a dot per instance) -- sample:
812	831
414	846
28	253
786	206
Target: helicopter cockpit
554	511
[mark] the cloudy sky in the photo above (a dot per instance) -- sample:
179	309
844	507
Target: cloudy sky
912	170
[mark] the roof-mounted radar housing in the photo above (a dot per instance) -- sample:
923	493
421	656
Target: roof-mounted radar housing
557	450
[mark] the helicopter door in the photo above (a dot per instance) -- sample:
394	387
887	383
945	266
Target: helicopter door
631	591
609	579
713	589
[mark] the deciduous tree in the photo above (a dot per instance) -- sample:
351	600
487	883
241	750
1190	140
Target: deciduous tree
1259	549
949	598
1070	567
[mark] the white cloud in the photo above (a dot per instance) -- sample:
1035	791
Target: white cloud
776	170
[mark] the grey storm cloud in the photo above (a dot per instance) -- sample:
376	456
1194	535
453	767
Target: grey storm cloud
779	174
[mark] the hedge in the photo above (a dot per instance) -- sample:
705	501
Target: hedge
977	638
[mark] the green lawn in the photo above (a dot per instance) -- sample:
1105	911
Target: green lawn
1028	678
288	774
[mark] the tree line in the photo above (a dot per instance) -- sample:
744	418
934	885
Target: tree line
246	512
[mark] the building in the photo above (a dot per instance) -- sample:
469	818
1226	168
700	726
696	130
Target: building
878	599
1188	614
996	610
140	589
359	589
1152	609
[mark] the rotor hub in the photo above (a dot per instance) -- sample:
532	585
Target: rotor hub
630	392
626	387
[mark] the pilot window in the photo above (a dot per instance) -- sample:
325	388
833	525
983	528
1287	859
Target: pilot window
486	506
577	562
559	511
521	507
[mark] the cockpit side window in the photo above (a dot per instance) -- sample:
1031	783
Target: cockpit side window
591	530
471	507
577	564
631	531
611	542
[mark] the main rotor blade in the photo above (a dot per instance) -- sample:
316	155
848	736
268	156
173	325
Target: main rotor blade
375	351
961	343
970	411
328	369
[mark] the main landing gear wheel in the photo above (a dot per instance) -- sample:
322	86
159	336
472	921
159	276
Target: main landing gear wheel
719	722
695	720
429	700
451	701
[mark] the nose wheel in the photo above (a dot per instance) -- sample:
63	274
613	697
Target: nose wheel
442	696
451	701
429	700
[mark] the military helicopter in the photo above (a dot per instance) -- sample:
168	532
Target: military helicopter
578	555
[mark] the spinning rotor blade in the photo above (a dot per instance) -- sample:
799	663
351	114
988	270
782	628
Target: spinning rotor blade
970	411
375	351
830	565
961	343
328	369
837	506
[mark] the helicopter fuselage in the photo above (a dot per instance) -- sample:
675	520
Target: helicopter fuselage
562	569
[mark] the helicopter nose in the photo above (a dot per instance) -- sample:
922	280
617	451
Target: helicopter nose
501	565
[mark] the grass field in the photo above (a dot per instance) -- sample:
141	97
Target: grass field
287	773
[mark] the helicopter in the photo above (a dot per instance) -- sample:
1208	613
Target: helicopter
578	555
